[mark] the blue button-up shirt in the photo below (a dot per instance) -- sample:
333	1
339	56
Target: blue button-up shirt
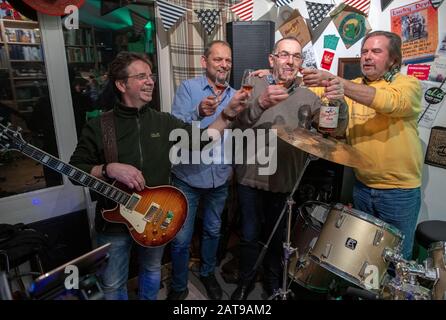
185	107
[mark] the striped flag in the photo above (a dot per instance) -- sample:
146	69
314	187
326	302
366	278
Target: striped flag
436	3
139	22
170	13
280	3
361	5
243	9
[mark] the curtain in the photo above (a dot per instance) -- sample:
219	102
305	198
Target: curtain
187	38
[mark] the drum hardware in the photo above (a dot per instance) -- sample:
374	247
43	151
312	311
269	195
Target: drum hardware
283	292
326	253
340	221
437	259
378	237
399	289
410	269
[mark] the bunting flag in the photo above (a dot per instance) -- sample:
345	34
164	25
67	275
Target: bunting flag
243	9
317	12
280	3
208	18
361	5
139	22
385	4
170	13
436	3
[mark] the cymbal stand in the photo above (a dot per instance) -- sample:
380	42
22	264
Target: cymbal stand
288	250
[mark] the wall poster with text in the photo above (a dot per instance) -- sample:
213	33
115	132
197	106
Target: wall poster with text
417	24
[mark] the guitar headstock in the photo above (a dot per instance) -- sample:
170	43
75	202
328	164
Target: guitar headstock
11	139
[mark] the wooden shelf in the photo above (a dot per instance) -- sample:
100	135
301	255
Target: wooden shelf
28	100
27	61
28	78
79	45
24	43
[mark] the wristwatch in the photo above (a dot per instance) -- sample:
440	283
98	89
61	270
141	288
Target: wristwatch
104	172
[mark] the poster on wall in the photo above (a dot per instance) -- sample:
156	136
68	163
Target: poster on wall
433	99
417	24
436	149
438	70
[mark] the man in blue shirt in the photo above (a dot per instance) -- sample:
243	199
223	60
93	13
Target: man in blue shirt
200	99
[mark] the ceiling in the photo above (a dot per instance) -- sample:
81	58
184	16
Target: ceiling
90	13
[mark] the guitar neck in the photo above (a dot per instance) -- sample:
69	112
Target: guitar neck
85	179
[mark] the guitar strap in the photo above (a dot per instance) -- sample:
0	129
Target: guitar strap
109	137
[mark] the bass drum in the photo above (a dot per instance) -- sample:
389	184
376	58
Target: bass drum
305	232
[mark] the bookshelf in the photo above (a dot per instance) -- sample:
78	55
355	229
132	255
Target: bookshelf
85	48
22	68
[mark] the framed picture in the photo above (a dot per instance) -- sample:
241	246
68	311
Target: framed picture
349	68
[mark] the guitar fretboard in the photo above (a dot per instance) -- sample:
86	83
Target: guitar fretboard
85	179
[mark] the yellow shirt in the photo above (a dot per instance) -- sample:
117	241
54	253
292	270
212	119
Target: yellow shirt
388	133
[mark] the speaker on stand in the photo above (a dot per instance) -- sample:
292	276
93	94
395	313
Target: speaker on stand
251	43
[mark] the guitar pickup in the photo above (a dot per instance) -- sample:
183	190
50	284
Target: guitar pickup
153	209
168	220
131	204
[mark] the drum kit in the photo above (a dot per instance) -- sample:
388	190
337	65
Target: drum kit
335	246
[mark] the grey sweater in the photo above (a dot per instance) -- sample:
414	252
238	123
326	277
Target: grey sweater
290	160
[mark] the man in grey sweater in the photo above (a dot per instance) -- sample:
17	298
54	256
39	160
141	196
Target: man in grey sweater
262	196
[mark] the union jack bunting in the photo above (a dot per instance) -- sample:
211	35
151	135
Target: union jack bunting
361	5
170	13
243	9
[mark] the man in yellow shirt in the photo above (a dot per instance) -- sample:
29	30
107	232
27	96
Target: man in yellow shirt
383	110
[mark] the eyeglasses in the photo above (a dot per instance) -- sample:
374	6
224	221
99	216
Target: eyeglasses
143	76
285	55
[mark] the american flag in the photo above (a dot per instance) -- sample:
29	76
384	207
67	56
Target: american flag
361	5
243	9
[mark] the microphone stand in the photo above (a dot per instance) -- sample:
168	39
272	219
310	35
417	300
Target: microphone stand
288	250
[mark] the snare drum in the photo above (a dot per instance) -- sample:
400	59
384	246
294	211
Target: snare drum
437	252
351	245
303	237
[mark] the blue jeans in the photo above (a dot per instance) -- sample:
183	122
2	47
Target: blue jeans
398	207
214	200
259	213
114	278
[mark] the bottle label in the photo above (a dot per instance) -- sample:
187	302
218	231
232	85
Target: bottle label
328	118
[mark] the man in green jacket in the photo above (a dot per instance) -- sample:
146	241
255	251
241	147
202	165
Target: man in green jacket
142	138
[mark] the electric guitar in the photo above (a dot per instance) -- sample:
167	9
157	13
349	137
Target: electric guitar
153	216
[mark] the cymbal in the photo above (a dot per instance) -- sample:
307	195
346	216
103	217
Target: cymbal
326	148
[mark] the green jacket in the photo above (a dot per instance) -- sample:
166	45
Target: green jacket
142	141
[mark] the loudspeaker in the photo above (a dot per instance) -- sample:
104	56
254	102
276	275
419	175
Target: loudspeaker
251	42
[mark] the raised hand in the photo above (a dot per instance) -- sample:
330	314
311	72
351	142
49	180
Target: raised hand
315	77
208	106
272	95
334	88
